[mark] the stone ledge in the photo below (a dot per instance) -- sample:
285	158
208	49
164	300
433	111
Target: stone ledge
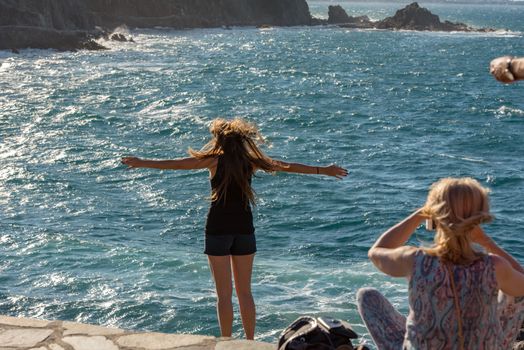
32	334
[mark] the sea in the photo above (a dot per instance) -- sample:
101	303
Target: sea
83	238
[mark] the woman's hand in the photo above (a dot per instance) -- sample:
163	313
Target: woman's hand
499	68
131	162
333	170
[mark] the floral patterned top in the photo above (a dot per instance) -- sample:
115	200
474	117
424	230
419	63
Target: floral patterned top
432	320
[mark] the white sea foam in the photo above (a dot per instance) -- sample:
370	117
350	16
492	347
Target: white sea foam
505	111
465	158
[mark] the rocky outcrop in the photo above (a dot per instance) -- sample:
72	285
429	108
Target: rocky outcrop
337	15
71	24
63	25
412	17
15	37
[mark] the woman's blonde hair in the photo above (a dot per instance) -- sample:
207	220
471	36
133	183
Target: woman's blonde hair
456	207
236	142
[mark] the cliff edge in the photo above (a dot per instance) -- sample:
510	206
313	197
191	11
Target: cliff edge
72	24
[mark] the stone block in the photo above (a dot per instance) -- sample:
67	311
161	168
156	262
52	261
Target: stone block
90	343
244	345
71	328
160	341
55	347
23	322
25	337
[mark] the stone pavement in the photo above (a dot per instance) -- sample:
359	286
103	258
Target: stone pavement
32	334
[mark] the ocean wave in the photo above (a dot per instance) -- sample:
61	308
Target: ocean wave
505	111
464	158
499	33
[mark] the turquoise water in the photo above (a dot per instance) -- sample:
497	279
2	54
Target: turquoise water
84	239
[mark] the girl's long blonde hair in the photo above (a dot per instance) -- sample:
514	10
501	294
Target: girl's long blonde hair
236	142
456	206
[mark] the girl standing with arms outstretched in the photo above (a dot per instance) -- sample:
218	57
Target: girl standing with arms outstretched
232	157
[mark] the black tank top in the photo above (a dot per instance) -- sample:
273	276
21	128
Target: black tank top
231	214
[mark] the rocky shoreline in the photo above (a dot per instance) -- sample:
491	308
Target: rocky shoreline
411	17
34	334
76	24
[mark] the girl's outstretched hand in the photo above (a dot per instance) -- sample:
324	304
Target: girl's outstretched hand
131	162
334	170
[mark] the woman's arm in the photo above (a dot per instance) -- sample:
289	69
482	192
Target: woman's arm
330	170
508	272
507	69
481	238
389	254
509	280
172	164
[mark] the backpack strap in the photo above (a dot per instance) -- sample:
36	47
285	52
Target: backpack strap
292	331
306	327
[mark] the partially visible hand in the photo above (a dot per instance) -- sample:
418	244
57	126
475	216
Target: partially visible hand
131	162
499	68
334	170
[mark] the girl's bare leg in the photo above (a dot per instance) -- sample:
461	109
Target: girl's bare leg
242	268
221	272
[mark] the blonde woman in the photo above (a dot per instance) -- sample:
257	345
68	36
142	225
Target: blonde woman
232	157
459	298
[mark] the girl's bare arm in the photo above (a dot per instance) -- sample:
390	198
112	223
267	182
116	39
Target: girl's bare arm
330	170
390	254
188	163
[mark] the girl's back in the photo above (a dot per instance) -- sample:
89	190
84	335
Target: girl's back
229	213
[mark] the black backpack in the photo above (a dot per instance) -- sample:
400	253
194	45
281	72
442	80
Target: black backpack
309	333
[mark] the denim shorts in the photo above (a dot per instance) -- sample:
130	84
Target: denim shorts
221	245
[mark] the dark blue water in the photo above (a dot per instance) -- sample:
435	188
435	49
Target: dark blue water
84	239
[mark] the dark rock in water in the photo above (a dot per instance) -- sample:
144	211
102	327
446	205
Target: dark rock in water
411	17
318	21
414	17
337	15
118	37
16	51
92	45
45	38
